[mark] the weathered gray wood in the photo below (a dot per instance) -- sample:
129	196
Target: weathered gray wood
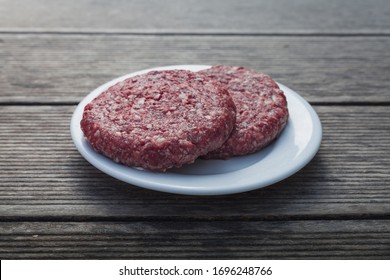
42	176
197	16
53	204
61	69
342	239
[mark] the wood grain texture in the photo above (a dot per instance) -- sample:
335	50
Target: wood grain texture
197	240
64	69
197	16
55	205
43	177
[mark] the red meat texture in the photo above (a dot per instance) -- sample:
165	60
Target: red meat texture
160	120
262	111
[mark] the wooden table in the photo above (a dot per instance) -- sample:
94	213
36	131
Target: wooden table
54	204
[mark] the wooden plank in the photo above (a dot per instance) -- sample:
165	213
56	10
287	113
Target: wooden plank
48	68
42	176
342	239
197	16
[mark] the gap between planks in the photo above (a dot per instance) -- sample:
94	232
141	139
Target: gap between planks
179	219
135	32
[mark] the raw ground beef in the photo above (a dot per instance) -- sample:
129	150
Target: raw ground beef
261	110
159	120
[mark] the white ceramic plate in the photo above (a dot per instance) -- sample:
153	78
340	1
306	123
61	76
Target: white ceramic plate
296	146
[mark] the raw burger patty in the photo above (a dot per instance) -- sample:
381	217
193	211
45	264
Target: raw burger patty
159	120
261	110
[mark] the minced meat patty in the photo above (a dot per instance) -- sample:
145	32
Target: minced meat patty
159	120
261	110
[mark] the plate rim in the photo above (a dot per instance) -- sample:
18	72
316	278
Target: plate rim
116	170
